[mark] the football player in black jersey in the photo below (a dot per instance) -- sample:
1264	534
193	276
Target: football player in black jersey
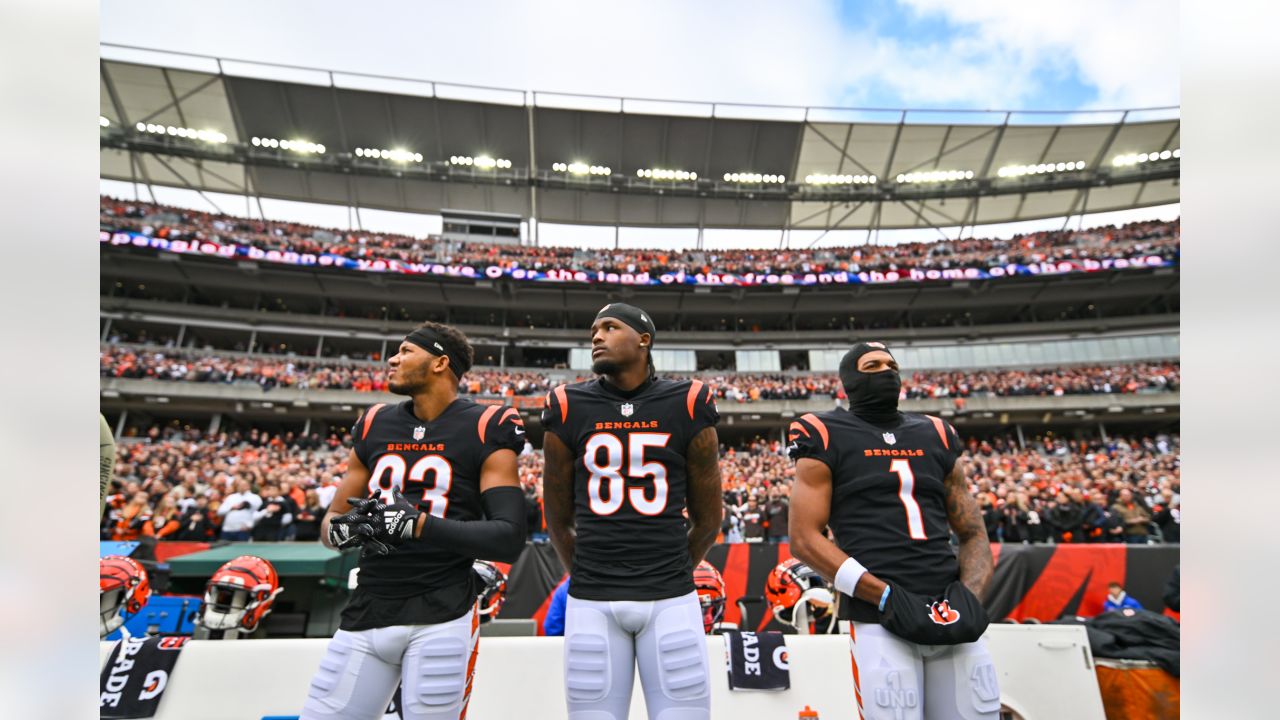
889	486
626	455
431	486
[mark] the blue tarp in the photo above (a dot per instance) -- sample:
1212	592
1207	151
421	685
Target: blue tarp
112	547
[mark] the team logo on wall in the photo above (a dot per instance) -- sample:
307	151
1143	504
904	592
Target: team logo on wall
889	438
627	409
419	433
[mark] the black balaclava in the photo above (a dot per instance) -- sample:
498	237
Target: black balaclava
872	396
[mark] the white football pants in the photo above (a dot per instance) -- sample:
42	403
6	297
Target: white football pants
605	641
894	679
360	670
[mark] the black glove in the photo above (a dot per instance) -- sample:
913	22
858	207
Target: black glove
357	528
395	522
954	617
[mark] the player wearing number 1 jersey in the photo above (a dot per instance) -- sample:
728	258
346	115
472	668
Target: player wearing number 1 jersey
627	455
889	486
431	486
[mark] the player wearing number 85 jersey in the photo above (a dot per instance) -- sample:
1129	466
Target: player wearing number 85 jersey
889	486
626	455
434	485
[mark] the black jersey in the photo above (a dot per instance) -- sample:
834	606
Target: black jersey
437	467
888	496
630	483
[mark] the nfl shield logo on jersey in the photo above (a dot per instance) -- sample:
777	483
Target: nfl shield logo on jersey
889	438
627	409
419	432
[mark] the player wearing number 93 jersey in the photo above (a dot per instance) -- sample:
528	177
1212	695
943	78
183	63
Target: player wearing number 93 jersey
431	487
627	454
889	486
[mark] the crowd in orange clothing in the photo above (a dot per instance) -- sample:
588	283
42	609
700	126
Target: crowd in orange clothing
268	372
173	484
173	223
274	371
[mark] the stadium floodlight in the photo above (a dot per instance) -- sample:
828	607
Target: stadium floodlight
1130	159
1009	171
935	176
399	155
661	174
300	146
103	121
581	168
755	178
209	136
839	179
482	162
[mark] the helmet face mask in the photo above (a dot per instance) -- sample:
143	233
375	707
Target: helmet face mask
123	589
494	593
800	598
239	595
711	595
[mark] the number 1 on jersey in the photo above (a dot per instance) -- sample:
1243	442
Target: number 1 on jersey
906	492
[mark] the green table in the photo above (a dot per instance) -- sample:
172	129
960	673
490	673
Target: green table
289	558
314	577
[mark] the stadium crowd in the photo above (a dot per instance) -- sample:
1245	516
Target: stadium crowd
271	372
173	223
176	484
274	371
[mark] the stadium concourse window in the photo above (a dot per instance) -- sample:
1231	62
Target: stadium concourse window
715	360
339	347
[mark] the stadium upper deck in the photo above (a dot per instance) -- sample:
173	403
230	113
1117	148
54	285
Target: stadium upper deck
328	137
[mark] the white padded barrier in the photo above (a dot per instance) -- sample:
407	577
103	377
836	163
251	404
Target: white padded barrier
1046	673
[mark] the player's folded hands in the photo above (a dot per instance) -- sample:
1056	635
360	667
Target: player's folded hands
954	617
358	527
396	521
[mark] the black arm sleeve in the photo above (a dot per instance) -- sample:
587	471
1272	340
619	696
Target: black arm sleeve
499	537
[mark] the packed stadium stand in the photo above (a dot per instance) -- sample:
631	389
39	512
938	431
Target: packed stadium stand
237	347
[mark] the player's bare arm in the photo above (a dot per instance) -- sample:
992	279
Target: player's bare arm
706	506
976	563
810	512
354	484
557	497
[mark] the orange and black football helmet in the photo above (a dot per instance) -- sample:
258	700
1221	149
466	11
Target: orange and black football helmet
123	588
240	594
793	582
711	595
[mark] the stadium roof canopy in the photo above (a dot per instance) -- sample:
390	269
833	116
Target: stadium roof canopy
541	134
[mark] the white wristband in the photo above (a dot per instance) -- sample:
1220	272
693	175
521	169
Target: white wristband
847	577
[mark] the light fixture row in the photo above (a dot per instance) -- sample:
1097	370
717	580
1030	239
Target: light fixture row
1139	158
1040	168
825	179
302	146
935	176
581	168
661	174
397	155
211	136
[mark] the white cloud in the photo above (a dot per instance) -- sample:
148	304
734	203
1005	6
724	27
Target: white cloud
1127	49
797	53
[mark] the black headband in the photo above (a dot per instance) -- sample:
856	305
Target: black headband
631	315
432	342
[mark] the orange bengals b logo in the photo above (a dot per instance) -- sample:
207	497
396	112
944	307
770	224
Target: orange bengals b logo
942	613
